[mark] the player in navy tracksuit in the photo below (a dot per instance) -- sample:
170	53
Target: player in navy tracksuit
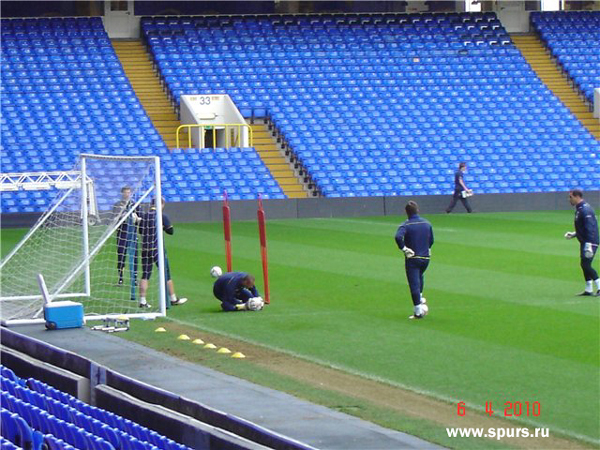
148	231
415	237
234	289
586	232
459	188
126	234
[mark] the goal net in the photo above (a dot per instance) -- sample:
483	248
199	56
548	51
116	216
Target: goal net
93	244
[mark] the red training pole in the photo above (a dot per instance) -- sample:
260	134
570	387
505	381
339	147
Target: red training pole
227	230
262	231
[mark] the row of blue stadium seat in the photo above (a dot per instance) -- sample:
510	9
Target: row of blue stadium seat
572	37
115	430
21	34
53	23
107	59
58	97
52	52
324	19
63	80
62	42
392	37
16	63
64	87
395	64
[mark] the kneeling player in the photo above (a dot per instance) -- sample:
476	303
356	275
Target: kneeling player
237	292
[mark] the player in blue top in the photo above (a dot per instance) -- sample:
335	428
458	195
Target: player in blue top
237	292
461	191
586	232
415	238
147	228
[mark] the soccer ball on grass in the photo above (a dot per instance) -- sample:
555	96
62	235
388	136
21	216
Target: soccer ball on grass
216	272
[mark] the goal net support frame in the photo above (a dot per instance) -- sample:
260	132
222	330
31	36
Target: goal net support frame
80	182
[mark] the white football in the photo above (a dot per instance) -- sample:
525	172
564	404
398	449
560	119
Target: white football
421	310
255	304
216	272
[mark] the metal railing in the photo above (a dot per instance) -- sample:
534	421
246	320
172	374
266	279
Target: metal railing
233	133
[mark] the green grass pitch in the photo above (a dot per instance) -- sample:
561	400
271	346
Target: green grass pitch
504	323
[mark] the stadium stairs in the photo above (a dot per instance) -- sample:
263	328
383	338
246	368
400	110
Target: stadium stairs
147	86
139	69
540	59
267	148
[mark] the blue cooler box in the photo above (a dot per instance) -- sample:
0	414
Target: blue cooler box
63	314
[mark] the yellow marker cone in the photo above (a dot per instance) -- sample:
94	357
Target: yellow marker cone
238	355
160	330
210	346
223	350
183	337
197	341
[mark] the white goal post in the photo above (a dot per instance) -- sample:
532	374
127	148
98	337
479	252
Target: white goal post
98	238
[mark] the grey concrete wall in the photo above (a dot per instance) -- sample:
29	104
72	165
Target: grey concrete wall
25	367
349	207
186	430
372	206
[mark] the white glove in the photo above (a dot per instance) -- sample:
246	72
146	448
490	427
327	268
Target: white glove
408	252
135	217
570	235
587	250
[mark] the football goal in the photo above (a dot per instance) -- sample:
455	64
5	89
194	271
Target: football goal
87	244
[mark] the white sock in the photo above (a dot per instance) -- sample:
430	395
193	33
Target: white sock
142	300
173	298
589	287
598	284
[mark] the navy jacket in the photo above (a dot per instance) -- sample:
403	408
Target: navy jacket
147	228
415	233
229	285
458	176
586	225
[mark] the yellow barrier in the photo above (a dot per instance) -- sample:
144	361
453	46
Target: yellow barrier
231	139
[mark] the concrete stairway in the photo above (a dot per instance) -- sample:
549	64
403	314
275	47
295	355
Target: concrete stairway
148	88
280	168
547	70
